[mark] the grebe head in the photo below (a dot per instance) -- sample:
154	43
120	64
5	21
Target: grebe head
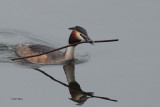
79	34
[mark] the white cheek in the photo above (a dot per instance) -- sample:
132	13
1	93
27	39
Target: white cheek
80	37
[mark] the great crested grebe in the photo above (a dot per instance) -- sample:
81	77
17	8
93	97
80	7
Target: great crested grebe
78	34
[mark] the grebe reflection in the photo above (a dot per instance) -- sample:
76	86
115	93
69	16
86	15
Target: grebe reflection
77	94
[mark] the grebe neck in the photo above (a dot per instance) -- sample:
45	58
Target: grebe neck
69	53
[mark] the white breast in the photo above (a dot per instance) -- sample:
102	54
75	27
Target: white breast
69	54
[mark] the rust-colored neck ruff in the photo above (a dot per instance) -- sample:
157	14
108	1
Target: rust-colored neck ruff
75	37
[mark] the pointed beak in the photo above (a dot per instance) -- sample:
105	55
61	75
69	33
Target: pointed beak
87	39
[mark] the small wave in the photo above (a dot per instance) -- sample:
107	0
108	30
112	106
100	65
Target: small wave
10	38
14	37
6	52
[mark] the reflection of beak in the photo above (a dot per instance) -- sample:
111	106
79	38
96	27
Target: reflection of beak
87	39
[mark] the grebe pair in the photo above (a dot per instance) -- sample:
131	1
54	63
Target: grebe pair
78	34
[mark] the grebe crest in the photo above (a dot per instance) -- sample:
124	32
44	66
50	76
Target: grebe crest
78	34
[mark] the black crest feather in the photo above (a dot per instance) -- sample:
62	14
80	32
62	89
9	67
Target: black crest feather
80	29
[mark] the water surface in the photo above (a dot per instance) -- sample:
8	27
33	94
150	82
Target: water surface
127	71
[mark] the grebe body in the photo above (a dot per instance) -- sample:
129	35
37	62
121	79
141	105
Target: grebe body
78	34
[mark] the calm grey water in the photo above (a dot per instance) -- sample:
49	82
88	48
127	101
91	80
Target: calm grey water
127	71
